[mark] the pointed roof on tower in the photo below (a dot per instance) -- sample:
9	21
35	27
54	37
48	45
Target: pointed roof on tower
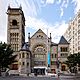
63	40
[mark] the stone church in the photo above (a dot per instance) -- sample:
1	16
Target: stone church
39	55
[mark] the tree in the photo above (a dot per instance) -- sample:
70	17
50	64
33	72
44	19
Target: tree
78	58
73	60
6	56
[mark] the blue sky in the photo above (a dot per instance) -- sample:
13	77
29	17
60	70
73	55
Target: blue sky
51	15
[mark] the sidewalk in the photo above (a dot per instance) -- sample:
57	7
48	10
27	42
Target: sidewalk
70	76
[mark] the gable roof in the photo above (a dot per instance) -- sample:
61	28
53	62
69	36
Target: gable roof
39	31
63	40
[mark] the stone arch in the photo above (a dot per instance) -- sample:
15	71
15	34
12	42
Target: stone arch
39	44
14	22
63	67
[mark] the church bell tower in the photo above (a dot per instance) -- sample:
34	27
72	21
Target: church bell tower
15	31
15	28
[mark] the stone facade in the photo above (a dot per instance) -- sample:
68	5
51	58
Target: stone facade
38	46
63	53
15	32
37	55
24	60
16	29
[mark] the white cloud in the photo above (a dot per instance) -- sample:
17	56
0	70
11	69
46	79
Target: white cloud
12	3
30	8
77	4
49	1
62	12
3	21
58	1
57	29
46	2
30	12
35	23
43	1
63	6
65	3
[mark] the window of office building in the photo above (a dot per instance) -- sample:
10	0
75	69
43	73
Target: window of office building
78	31
79	21
78	42
79	37
78	47
79	15
79	26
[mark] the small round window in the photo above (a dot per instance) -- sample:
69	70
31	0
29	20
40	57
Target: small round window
14	22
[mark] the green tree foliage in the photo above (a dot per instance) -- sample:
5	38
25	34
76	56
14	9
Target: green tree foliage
73	60
6	56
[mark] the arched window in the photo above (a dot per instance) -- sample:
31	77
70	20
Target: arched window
14	22
19	55
27	55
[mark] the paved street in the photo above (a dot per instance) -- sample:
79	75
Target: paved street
27	78
34	78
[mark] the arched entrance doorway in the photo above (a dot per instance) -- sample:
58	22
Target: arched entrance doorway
39	59
63	67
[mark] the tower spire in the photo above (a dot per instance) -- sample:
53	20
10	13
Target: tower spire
20	7
50	37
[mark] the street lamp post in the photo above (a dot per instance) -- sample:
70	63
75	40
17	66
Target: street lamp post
77	68
57	63
58	68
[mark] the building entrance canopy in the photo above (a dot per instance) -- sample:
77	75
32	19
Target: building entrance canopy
40	70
